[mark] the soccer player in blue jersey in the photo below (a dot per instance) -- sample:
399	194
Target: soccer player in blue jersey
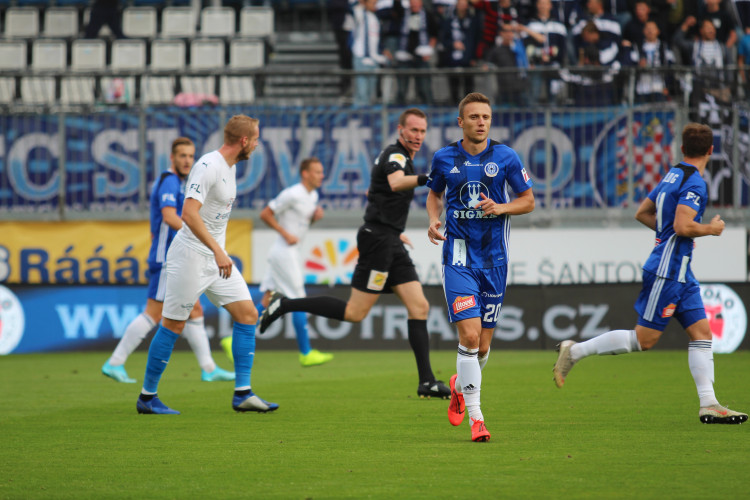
674	210
166	201
471	179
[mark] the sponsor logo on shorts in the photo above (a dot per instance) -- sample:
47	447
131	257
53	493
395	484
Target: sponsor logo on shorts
377	280
463	303
668	311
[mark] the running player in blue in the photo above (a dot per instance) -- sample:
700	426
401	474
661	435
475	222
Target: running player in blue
674	209
167	198
472	176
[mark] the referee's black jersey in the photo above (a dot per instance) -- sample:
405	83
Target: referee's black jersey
385	206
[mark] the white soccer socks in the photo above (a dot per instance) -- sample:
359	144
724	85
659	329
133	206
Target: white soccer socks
134	334
614	342
470	378
701	362
195	333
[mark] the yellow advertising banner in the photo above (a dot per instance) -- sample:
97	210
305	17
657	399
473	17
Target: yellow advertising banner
111	252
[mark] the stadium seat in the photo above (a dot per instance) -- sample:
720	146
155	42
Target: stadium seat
12	58
217	21
128	55
88	55
178	22
49	55
38	90
77	90
12	55
22	22
256	22
246	54
204	55
157	89
7	90
198	85
207	54
60	22
167	55
236	90
139	22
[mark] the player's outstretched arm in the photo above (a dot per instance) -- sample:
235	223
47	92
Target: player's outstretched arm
434	210
685	224
399	181
192	217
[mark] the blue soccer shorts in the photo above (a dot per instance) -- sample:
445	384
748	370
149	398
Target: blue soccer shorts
474	293
157	282
662	298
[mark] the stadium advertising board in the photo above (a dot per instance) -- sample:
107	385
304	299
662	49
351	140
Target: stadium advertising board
107	155
55	318
538	256
93	252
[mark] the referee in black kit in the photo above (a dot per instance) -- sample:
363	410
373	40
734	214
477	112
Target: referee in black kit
384	265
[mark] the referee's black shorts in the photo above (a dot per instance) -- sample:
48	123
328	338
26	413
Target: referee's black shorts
383	260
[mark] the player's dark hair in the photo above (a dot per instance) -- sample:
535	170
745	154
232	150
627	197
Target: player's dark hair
472	97
239	126
307	162
411	111
181	141
697	140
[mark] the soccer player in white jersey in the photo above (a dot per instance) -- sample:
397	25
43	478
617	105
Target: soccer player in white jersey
290	214
674	210
167	198
471	178
198	263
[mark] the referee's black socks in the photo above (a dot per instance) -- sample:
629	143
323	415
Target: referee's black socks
419	341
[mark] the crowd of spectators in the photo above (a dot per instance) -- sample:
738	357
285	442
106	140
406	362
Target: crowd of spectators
579	47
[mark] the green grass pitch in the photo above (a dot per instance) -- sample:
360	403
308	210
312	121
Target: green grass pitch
622	427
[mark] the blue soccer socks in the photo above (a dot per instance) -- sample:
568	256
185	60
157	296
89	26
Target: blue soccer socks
243	350
158	356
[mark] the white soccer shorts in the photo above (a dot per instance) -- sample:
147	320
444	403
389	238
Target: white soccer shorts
284	273
189	274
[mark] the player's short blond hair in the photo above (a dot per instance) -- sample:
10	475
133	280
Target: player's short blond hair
181	141
239	126
307	163
411	111
470	98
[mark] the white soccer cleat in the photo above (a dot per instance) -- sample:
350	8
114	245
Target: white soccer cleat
564	362
717	414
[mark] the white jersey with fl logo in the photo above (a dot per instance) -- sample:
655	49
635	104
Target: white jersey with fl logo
213	183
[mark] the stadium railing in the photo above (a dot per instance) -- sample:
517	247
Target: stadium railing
591	161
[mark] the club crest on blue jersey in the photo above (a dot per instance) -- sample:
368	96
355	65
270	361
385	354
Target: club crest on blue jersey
470	192
491	169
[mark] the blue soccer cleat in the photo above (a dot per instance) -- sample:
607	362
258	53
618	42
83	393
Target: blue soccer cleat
117	373
154	407
218	375
252	402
